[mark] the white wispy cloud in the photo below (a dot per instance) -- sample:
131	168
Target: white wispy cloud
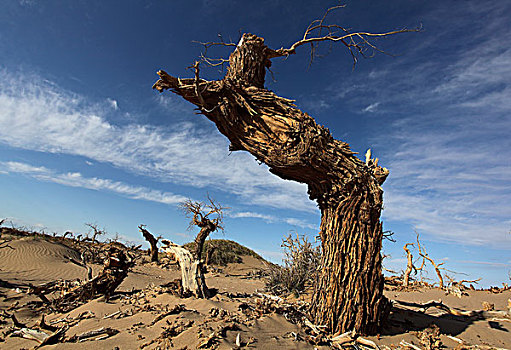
75	179
274	219
38	115
113	103
371	108
447	146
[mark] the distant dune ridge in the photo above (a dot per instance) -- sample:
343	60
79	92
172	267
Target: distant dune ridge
145	314
35	260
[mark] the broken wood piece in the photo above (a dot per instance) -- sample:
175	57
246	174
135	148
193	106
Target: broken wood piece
153	242
409	345
458	340
54	338
440	305
271	297
16	322
44	325
112	315
177	309
351	337
104	330
115	269
437	304
31	334
207	342
313	327
84	265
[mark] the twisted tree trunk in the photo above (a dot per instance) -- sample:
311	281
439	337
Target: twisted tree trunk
349	294
153	242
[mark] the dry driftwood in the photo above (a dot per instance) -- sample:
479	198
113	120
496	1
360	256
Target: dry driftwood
483	314
175	310
115	269
90	334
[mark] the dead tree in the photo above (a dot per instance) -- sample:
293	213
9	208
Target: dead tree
409	265
153	242
208	217
349	294
425	256
96	231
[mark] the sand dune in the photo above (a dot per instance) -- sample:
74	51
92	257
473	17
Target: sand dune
35	260
140	311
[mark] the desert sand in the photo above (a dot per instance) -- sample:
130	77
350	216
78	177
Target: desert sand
143	313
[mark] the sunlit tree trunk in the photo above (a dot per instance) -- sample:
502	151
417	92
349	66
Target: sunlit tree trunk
349	294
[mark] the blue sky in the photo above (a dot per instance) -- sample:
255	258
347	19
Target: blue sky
83	138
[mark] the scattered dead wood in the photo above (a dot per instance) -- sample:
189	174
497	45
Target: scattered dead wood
430	337
73	321
115	269
175	310
164	340
208	342
476	314
498	290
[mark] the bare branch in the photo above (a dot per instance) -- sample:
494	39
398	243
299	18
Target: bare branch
424	255
409	265
357	43
96	231
213	62
388	235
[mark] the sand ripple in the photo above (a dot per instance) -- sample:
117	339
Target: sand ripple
33	260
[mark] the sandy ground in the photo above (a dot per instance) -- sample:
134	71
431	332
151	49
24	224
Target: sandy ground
145	314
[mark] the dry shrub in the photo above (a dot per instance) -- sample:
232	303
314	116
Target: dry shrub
301	262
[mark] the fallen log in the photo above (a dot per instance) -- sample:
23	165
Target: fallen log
90	334
440	305
115	269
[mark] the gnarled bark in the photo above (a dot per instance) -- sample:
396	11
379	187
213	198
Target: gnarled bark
192	276
349	294
115	269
